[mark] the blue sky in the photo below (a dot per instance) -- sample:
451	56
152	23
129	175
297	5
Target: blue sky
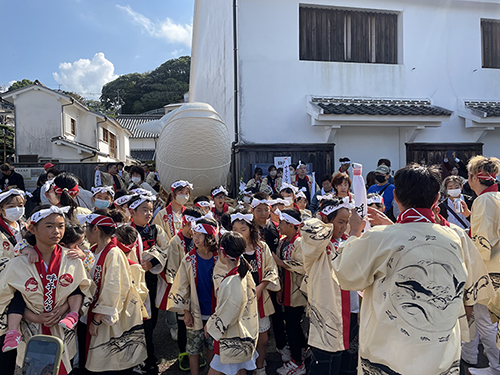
82	44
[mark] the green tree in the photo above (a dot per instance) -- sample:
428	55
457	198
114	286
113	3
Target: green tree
18	84
7	136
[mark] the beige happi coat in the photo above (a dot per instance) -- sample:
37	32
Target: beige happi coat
138	276
6	247
269	273
21	276
235	322
176	254
161	220
416	278
120	343
322	287
296	272
183	294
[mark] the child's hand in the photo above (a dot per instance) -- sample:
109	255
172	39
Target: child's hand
279	297
146	265
31	253
76	253
259	289
357	224
206	332
188	319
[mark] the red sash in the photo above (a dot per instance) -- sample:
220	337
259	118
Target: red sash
296	182
493	188
416	215
169	217
194	265
99	268
49	278
258	258
4	225
183	242
287	287
225	208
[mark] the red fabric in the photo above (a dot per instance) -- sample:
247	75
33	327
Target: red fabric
486	176
416	215
493	188
164	300
49	280
345	296
127	248
258	258
444	222
169	217
72	192
4	225
288	281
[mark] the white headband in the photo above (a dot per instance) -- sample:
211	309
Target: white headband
287	218
377	199
256	202
301	163
219	190
326	196
141	191
345	204
47	185
10	192
345	162
141	200
97	219
239	216
124	199
181	183
204	228
42	214
284	186
190	219
300	194
203	204
103	189
279	201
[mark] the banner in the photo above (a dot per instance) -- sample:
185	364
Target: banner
286	169
359	190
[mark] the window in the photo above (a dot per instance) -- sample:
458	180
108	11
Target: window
112	145
73	126
105	135
330	34
490	40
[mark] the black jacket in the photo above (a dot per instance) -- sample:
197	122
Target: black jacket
15	179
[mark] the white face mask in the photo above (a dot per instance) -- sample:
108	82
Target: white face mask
14	214
136	180
454	192
247	199
182	199
273	173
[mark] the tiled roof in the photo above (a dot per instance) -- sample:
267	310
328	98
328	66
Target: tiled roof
486	109
379	107
130	122
143	155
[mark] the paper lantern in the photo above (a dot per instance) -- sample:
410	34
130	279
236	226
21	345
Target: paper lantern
194	145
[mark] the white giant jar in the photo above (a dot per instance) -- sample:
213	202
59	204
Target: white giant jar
194	145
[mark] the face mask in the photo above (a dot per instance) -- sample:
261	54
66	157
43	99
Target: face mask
136	180
380	178
101	203
454	192
14	214
182	199
247	199
273	173
289	201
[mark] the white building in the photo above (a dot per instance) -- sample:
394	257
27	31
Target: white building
51	126
367	79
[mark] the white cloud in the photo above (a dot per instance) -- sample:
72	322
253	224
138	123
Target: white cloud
86	77
167	30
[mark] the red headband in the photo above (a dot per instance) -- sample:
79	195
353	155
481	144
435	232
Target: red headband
486	176
127	248
225	254
101	220
204	228
73	191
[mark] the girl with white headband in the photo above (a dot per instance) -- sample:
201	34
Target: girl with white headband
115	315
180	245
170	217
375	201
103	197
193	293
154	242
12	228
301	202
265	274
220	207
234	323
50	287
294	301
204	203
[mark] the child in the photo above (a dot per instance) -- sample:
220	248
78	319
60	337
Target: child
292	273
122	197
192	292
115	303
12	227
153	238
256	180
301	203
180	245
220	206
234	323
170	218
265	274
375	201
271	183
49	287
103	196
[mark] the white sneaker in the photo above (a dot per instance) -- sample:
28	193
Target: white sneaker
483	371
291	368
174	334
286	354
260	371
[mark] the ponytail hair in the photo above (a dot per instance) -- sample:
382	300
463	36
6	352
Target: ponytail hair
234	245
65	181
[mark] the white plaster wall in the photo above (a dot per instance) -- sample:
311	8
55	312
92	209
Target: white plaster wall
142	144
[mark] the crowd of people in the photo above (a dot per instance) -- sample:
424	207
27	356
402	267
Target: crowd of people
409	289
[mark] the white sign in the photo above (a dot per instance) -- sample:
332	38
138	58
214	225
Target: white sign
279	161
286	171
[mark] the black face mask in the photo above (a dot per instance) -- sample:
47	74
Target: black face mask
380	178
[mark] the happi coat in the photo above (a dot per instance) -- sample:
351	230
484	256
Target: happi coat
177	250
183	294
138	276
120	343
43	291
416	278
8	239
234	325
268	271
328	306
166	220
291	279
